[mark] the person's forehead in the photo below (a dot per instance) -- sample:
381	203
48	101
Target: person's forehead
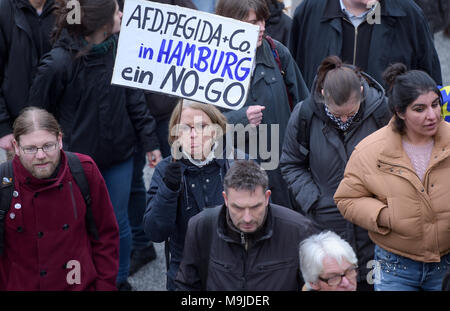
190	115
332	266
37	136
245	198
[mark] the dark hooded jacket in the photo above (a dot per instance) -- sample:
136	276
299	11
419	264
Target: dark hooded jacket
21	47
403	35
314	179
278	25
437	13
97	118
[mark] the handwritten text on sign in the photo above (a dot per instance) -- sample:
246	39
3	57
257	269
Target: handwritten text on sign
186	53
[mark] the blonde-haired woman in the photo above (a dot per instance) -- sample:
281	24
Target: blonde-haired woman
183	187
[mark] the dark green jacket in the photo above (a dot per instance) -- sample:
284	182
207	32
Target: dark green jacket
268	89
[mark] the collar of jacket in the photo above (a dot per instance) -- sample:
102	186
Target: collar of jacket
393	152
23	177
388	9
229	233
264	55
48	6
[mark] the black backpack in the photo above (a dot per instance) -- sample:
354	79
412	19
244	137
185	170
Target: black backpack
7	189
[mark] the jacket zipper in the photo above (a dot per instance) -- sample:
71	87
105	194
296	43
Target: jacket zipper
74	204
245	244
355	42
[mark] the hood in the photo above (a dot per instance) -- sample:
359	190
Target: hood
67	42
373	94
276	9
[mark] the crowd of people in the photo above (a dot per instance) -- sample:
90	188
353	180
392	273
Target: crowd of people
357	200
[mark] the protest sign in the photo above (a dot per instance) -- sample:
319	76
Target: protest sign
186	53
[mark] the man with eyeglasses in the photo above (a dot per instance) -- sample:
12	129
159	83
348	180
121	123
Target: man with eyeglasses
328	263
46	242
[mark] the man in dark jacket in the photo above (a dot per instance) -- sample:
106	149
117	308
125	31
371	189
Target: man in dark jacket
25	27
246	244
46	242
370	38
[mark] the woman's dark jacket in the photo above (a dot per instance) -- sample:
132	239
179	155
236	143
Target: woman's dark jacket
314	179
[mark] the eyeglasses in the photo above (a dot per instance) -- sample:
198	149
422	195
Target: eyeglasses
187	129
48	147
347	116
337	279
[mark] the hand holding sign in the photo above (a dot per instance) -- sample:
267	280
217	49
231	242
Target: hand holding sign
186	53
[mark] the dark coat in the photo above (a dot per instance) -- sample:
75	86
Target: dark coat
271	262
19	56
168	211
402	36
278	25
314	180
267	88
97	118
48	230
437	13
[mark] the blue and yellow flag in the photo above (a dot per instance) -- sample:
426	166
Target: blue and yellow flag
445	111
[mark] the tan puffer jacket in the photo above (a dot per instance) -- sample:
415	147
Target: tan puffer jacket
379	175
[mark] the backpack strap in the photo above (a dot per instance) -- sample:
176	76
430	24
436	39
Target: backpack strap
304	122
280	66
6	193
208	229
80	178
382	115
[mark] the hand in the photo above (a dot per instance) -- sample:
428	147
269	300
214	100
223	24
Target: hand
172	176
383	218
6	142
254	114
153	157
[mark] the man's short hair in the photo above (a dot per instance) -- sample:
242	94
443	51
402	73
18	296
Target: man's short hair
245	175
318	246
32	119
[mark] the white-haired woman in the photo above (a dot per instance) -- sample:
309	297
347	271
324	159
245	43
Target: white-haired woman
328	263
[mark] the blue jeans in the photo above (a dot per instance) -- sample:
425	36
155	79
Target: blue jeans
137	201
399	273
118	182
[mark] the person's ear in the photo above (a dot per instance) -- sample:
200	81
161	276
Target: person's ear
16	146
60	141
400	115
323	92
314	285
267	195
225	199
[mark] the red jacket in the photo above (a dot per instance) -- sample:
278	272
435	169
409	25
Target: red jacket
48	230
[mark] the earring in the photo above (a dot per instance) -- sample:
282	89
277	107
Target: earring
105	34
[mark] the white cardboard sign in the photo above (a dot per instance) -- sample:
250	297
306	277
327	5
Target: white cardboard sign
186	53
